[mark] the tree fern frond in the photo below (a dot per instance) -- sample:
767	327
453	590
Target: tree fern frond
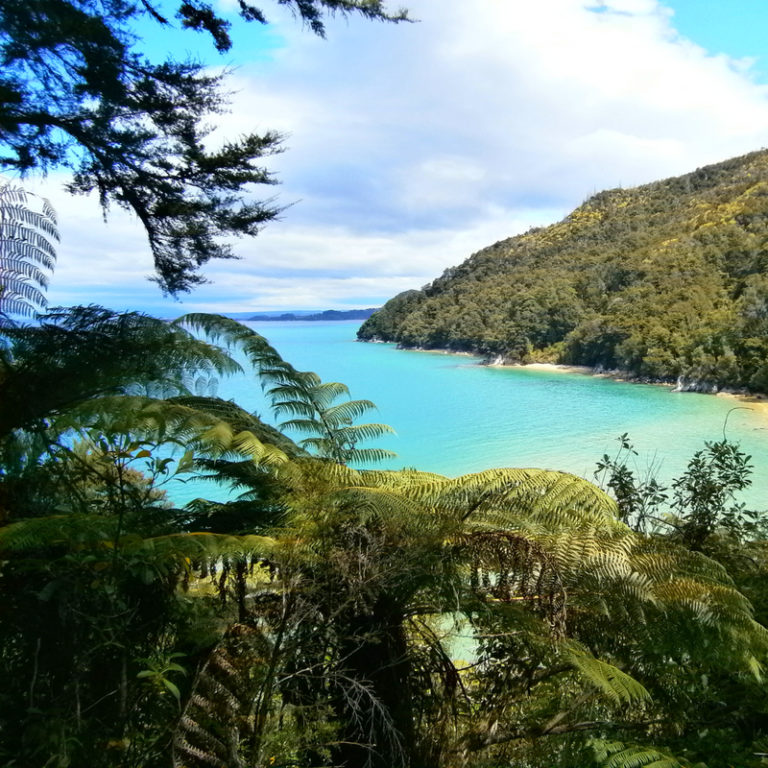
371	456
616	685
117	350
58	530
27	236
247	444
221	439
400	478
550	498
347	412
186	547
358	433
44	257
217	717
618	755
324	393
14	268
241	420
303	425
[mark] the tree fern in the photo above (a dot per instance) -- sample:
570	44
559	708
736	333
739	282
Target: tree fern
618	686
619	755
28	234
301	395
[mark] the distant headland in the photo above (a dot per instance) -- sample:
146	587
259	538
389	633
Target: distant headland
328	314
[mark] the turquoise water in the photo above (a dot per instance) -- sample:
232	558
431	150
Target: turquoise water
453	416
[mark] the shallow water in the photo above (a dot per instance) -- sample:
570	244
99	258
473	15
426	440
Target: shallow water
453	416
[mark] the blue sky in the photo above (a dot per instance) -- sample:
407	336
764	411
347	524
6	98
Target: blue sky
738	28
408	147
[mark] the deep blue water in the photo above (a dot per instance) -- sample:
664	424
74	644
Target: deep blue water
453	416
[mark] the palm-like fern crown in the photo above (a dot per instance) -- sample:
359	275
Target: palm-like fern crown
28	234
302	395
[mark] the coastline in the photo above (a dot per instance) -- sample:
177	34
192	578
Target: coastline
754	401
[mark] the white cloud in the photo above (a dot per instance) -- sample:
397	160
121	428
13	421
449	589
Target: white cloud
410	146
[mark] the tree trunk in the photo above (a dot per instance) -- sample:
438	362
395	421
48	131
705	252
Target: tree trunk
377	726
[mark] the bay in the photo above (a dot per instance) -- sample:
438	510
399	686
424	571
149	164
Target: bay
454	416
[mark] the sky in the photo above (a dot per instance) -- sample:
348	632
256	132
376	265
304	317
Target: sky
409	147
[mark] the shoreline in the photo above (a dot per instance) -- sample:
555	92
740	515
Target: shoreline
758	401
681	386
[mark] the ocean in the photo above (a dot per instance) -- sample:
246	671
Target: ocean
454	416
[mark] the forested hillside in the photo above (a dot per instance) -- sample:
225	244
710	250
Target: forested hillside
664	281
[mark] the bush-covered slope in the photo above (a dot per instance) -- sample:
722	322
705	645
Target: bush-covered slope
666	280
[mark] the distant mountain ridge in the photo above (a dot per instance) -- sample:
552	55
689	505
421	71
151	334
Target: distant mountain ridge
328	314
667	281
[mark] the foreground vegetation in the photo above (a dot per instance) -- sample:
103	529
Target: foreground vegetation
328	616
663	281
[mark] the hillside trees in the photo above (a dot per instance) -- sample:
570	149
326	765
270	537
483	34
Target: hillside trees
663	281
78	91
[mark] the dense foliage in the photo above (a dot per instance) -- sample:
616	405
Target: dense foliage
664	281
327	616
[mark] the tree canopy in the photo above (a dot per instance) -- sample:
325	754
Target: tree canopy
77	91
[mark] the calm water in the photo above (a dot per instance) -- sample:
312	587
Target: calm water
453	416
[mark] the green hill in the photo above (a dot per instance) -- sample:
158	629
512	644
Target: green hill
663	281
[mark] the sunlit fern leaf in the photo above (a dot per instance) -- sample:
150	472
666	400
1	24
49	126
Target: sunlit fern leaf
619	755
371	456
222	440
553	498
247	444
357	433
616	685
346	413
385	505
241	420
190	547
304	425
401	478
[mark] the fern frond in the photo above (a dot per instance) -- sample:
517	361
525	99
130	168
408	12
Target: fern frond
347	412
618	755
217	717
27	237
551	499
58	530
221	440
400	478
616	685
358	433
79	353
369	456
303	425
